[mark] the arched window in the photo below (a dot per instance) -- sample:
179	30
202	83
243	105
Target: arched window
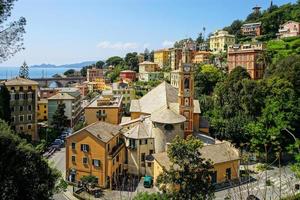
186	83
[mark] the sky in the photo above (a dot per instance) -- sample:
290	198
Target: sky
71	31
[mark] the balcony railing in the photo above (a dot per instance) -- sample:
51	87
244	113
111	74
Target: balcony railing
116	149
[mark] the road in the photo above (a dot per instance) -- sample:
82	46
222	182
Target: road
276	189
59	161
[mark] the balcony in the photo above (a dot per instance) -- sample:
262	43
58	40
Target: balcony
116	149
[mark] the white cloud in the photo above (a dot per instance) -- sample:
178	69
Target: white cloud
167	43
118	45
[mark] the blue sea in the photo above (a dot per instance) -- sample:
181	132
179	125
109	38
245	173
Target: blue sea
34	72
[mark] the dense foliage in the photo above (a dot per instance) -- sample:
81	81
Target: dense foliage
4	104
188	176
60	120
270	18
24	174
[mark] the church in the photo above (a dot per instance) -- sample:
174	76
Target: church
158	117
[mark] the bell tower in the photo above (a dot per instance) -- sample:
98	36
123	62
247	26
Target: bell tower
186	91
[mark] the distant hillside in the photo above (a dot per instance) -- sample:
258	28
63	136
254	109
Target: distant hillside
271	19
74	65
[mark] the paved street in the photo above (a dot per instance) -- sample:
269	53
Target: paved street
257	188
58	159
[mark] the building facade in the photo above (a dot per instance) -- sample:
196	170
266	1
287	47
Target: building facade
139	146
128	75
201	57
94	74
175	58
126	91
289	29
106	107
151	76
220	40
42	110
23	105
224	157
97	150
148	66
246	56
251	29
72	99
162	57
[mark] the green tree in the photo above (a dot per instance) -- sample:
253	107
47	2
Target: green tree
280	110
11	34
146	55
114	61
24	174
189	173
132	61
24	71
60	120
69	72
99	64
235	28
206	78
4	104
88	182
150	196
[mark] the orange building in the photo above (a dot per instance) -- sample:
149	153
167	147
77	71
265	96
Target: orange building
93	74
201	57
246	56
251	29
96	150
107	107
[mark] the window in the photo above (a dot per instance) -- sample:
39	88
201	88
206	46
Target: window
149	164
113	161
21	118
140	142
21	128
12	109
146	141
29	126
228	173
117	158
85	160
85	147
151	152
143	157
169	127
29	108
13	119
21	88
108	147
29	117
38	107
21	108
73	159
96	163
213	176
73	145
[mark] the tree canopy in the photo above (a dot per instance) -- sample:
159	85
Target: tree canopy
11	33
24	174
60	121
4	103
188	176
24	71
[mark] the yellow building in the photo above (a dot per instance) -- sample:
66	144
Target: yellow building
201	57
224	157
126	91
107	107
42	110
23	105
162	57
97	150
97	85
139	146
220	40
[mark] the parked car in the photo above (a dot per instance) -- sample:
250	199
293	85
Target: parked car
148	181
57	144
252	197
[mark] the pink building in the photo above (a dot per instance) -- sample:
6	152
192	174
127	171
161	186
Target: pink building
94	74
289	29
128	75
